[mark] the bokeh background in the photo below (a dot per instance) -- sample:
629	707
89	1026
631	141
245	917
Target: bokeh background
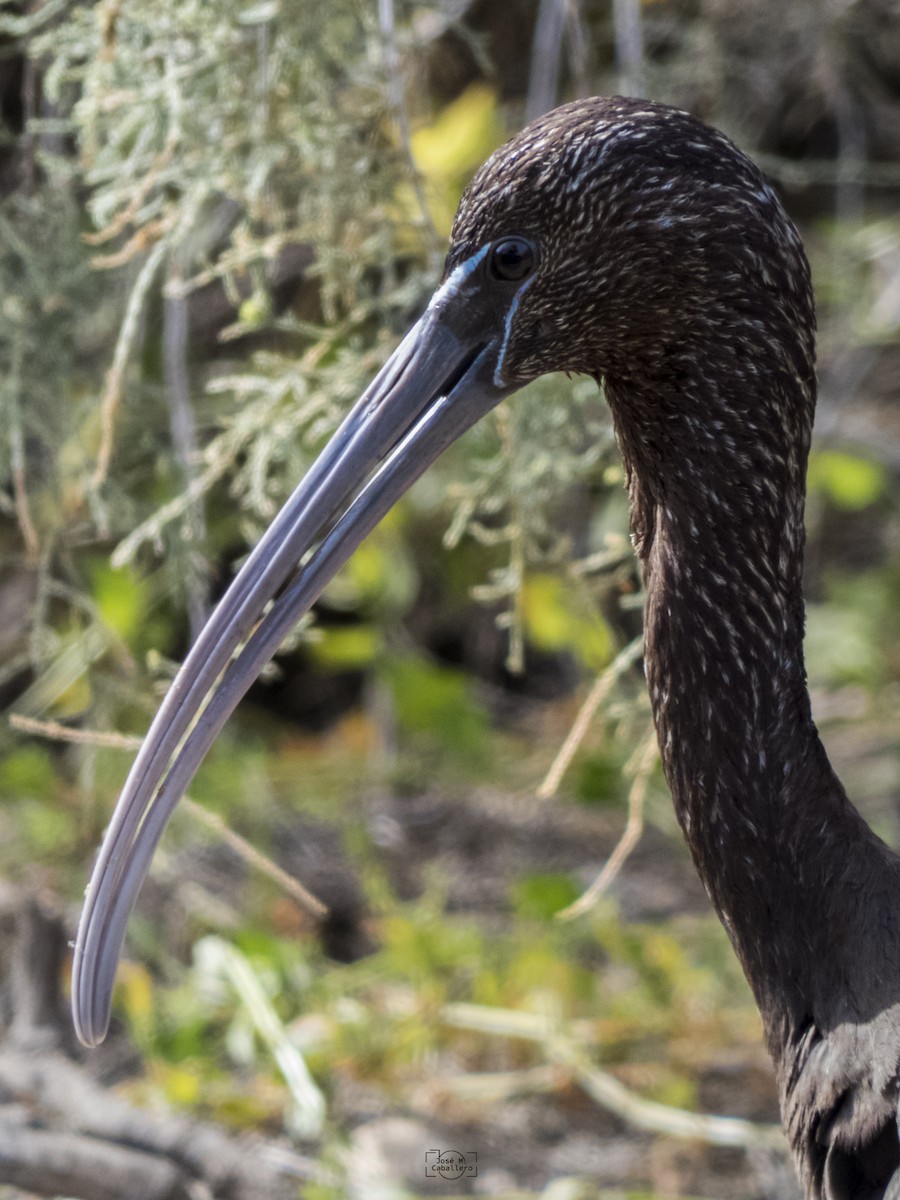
216	220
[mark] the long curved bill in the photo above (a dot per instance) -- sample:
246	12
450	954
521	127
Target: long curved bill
439	382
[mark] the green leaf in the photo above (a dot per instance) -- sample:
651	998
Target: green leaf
598	780
121	599
46	828
543	896
449	150
27	772
348	647
435	702
850	483
556	618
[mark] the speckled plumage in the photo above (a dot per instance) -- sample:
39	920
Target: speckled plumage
628	241
669	270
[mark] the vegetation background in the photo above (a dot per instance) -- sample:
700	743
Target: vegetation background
216	220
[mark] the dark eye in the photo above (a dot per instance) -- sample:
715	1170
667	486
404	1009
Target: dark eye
512	258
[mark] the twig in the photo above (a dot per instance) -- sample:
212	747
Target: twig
256	858
398	104
561	1047
513	619
17	450
629	37
546	47
499	1087
128	334
26	26
216	958
182	425
170	511
602	686
577	42
794	174
54	731
183	429
151	233
645	760
654	1117
127	214
619	551
23	514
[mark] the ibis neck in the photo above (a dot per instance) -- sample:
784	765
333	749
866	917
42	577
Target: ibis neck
720	538
717	491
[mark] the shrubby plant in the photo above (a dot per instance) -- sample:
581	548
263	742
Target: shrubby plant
223	236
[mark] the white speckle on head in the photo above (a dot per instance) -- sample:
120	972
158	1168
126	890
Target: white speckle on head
457	278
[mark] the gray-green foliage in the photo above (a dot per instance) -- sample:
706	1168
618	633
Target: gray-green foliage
185	147
43	277
548	437
230	131
212	139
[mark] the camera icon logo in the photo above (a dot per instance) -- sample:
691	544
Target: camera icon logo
450	1164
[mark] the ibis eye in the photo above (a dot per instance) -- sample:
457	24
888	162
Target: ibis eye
512	258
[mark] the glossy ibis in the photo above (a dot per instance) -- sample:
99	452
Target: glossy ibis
628	241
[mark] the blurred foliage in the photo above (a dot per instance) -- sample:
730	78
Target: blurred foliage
850	483
436	703
216	162
448	151
264	179
379	1020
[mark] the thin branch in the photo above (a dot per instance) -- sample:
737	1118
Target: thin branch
54	731
546	52
513	619
183	429
499	1087
850	190
620	551
829	171
312	904
577	43
602	687
629	35
654	1117
397	99
219	959
150	234
561	1046
17	450
645	760
127	214
27	26
150	529
128	335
